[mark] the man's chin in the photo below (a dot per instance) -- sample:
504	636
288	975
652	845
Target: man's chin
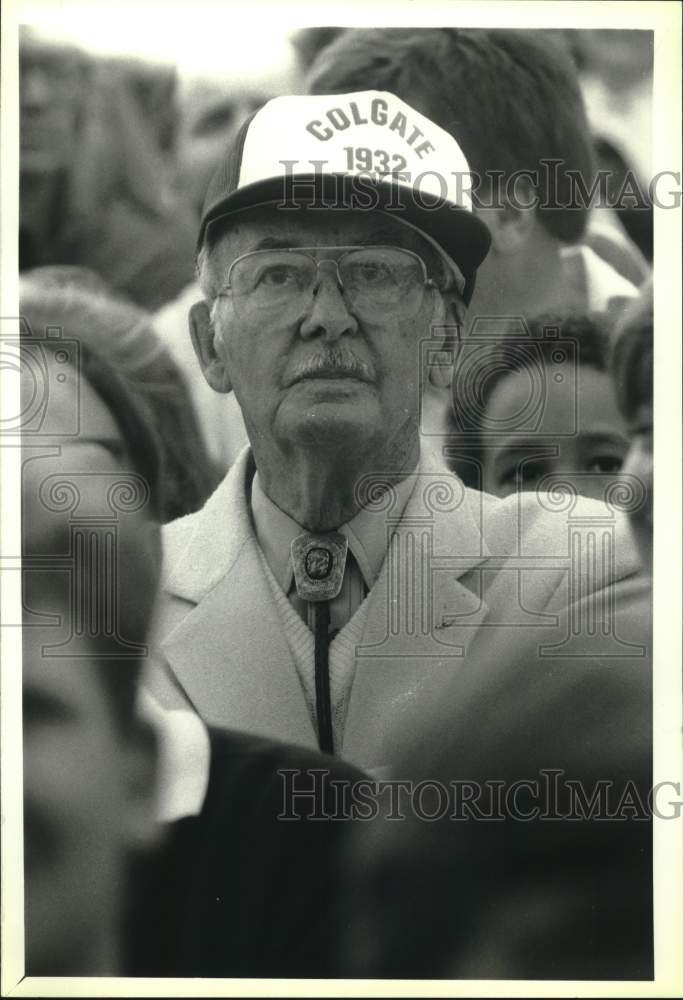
332	416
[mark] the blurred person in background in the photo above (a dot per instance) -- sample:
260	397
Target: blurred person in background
309	42
121	877
543	412
615	70
512	100
525	850
95	180
215	96
211	111
89	761
80	303
541	864
89	770
632	363
217	89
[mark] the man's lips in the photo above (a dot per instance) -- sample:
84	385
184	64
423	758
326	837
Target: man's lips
328	374
333	373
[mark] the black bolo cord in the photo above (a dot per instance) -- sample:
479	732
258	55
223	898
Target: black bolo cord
323	706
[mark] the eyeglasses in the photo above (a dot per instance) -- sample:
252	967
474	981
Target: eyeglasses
374	280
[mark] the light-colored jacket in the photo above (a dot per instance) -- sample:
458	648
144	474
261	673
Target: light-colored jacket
466	575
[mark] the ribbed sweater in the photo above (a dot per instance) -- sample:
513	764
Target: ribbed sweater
302	646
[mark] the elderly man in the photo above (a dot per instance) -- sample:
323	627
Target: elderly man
337	579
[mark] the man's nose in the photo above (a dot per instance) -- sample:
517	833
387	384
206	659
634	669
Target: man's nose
328	315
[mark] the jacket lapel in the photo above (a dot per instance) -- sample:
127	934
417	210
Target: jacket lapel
423	613
229	653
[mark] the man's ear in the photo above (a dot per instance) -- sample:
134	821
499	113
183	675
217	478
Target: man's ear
203	341
446	326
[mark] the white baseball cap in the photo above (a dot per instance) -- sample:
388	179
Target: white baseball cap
363	151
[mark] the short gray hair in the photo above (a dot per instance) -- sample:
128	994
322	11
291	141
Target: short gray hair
206	279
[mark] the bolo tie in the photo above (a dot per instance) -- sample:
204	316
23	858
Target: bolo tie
318	562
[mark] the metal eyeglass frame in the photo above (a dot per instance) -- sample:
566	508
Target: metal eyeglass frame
342	252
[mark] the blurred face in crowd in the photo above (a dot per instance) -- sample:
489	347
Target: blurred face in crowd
87	803
211	112
61	409
633	372
638	463
325	369
88	774
51	90
588	459
97	445
92	454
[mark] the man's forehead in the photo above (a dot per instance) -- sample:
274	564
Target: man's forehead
265	226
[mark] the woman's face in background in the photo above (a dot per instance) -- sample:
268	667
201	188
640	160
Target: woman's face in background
84	808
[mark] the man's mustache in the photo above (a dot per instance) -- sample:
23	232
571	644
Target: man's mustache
331	362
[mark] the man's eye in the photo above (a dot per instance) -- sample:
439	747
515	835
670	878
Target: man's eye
279	277
372	274
605	464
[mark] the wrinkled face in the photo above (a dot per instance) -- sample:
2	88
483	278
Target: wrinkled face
328	372
51	90
589	459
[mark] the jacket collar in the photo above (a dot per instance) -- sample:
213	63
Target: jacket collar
200	549
229	652
364	531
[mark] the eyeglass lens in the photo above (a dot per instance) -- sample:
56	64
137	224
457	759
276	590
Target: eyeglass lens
373	279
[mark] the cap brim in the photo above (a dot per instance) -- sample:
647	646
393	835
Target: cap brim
462	235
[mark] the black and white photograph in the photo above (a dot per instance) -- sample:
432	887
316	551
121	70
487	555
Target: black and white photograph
341	499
